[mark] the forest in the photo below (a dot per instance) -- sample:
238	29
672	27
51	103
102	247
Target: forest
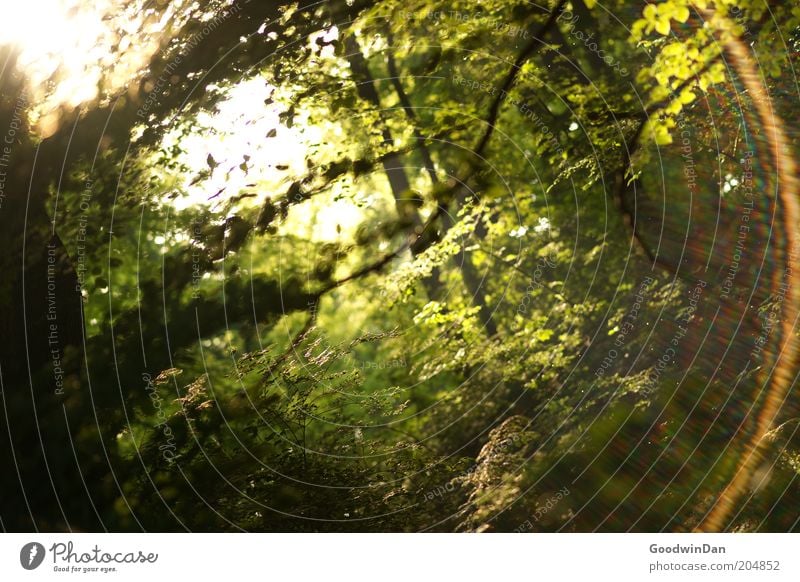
399	266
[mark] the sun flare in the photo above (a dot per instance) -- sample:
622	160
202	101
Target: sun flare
70	50
58	41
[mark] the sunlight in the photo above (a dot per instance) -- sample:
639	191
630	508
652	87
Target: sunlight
244	149
68	48
57	34
51	28
238	148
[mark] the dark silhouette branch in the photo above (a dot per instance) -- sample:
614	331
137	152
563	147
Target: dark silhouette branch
527	52
385	260
408	108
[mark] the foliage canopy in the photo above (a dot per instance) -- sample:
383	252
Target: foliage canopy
401	266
